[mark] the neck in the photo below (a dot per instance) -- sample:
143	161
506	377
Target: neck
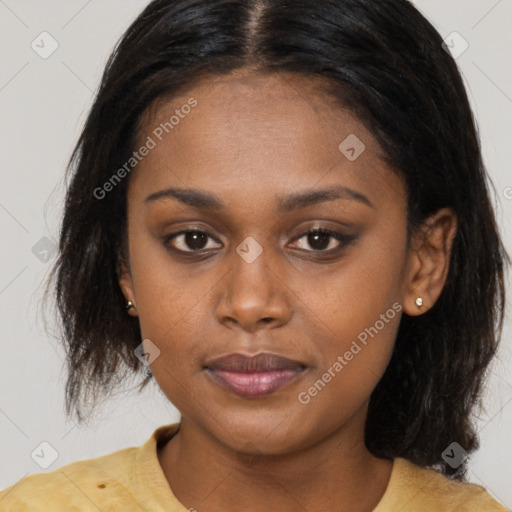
336	472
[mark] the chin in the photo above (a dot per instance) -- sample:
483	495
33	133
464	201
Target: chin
264	433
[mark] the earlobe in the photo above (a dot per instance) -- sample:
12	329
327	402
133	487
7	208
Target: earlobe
126	284
130	307
429	261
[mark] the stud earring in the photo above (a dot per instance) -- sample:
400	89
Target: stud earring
419	302
130	305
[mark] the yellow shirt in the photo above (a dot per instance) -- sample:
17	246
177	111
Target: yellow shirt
132	480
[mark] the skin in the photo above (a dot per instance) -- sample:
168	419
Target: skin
250	140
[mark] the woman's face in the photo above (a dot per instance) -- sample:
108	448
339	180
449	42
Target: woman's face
253	163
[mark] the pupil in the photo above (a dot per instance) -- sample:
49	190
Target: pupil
195	239
318	241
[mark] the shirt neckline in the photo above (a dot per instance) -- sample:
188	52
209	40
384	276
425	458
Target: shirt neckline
154	492
152	489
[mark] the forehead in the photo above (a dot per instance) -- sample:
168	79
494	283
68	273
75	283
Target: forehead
254	133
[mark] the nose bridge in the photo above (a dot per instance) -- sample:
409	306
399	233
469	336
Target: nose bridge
253	293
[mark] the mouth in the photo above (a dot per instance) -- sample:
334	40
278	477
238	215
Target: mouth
254	376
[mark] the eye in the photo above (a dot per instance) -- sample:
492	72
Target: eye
324	240
318	239
189	240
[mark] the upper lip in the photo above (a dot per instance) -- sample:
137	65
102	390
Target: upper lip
263	362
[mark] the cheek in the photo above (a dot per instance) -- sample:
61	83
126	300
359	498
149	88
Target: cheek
167	292
373	280
358	309
168	305
351	369
346	298
171	316
357	350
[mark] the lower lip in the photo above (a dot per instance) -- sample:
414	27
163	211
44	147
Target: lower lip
254	384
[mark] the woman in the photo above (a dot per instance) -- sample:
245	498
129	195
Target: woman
280	210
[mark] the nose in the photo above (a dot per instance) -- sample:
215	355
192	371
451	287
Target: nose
254	295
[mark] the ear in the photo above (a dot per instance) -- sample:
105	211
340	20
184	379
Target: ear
429	261
126	283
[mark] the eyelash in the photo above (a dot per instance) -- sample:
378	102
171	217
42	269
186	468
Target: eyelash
344	240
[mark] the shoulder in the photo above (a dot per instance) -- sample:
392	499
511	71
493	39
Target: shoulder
83	485
416	489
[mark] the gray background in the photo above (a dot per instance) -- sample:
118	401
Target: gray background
43	104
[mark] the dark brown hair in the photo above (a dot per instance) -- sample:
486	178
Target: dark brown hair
385	62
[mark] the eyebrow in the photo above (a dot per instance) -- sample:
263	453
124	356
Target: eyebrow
207	201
